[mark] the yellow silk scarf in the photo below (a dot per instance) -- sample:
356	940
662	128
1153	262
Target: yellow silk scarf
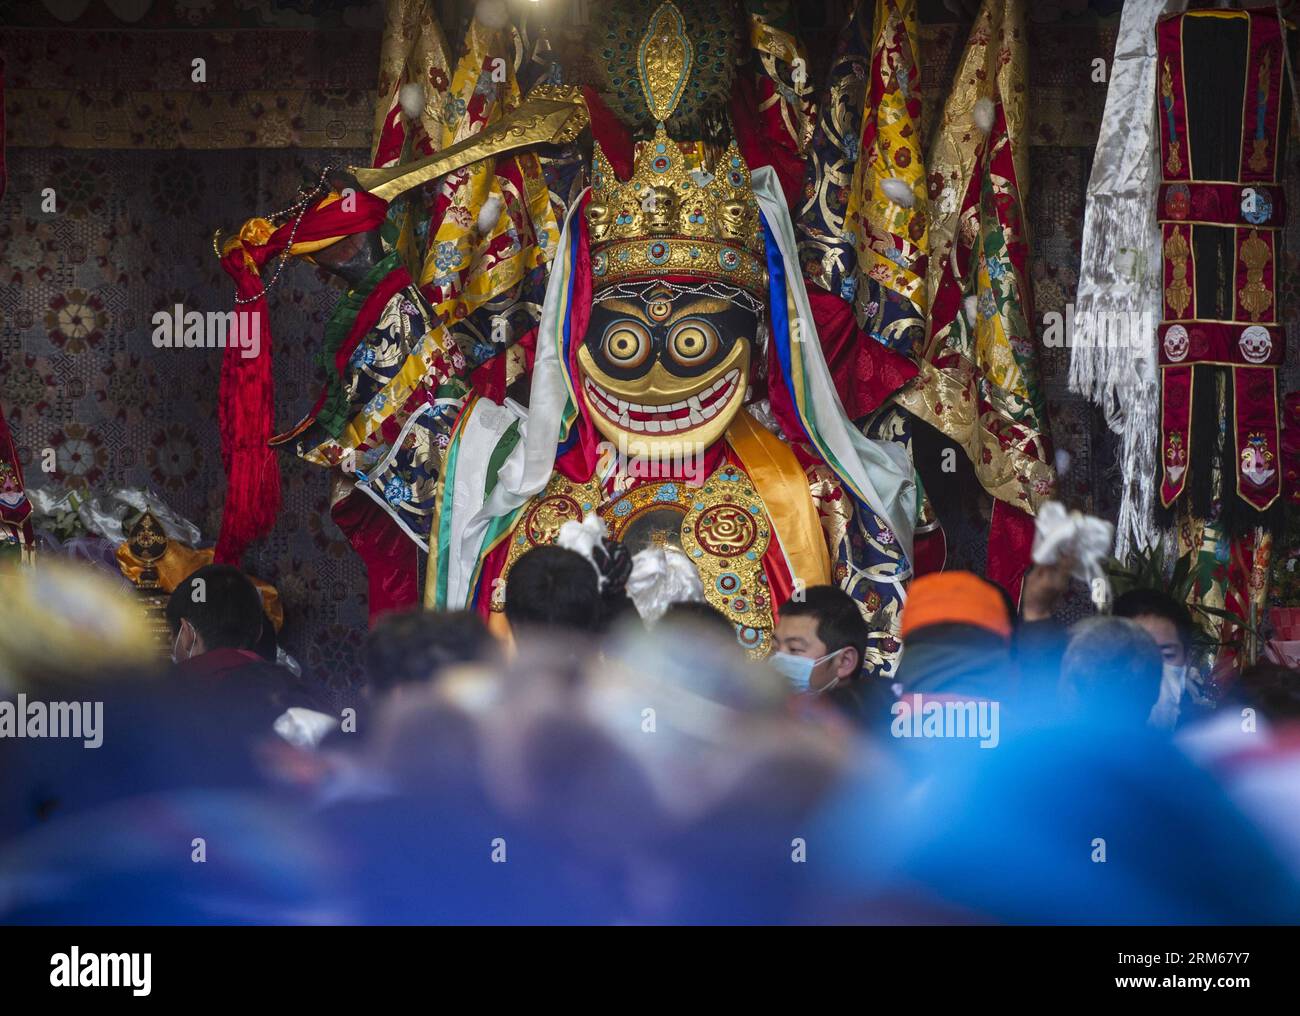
780	481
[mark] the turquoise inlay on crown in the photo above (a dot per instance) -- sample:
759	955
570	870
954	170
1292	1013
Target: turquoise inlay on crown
666	12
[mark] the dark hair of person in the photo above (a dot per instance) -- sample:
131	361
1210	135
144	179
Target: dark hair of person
1271	688
1156	603
551	587
1111	663
411	647
700	614
613	560
839	621
621	612
222	604
268	645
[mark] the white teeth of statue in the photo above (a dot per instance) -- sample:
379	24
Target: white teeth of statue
663	422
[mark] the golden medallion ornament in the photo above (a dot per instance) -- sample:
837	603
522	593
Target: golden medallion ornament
721	526
725	533
562	501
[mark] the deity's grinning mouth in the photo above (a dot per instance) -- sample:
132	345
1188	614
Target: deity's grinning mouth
679	416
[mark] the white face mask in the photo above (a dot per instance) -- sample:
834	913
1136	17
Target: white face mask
798	670
1173	682
176	655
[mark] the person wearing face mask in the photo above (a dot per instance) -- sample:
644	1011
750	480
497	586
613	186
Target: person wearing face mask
819	640
1170	626
218	622
1110	673
216	619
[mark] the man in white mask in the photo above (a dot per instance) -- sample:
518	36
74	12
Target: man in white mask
819	641
1170	626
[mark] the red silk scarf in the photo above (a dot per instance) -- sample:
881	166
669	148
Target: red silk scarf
245	409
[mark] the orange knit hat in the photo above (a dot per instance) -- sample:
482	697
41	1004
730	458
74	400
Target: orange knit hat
955	597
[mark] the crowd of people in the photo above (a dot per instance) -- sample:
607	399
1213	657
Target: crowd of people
604	762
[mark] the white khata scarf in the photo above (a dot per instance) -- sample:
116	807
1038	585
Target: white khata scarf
1117	309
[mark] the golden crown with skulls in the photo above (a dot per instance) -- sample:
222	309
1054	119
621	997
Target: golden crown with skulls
688	209
680	213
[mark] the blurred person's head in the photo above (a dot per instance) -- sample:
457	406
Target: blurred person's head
819	638
414	647
689	662
1112	666
1168	622
612	562
781	770
956	630
699	615
578	781
65	622
956	598
551	587
426	744
216	607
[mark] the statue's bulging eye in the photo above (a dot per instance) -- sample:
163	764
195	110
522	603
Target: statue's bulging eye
627	344
693	342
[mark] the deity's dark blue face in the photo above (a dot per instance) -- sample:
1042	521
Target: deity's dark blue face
668	364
